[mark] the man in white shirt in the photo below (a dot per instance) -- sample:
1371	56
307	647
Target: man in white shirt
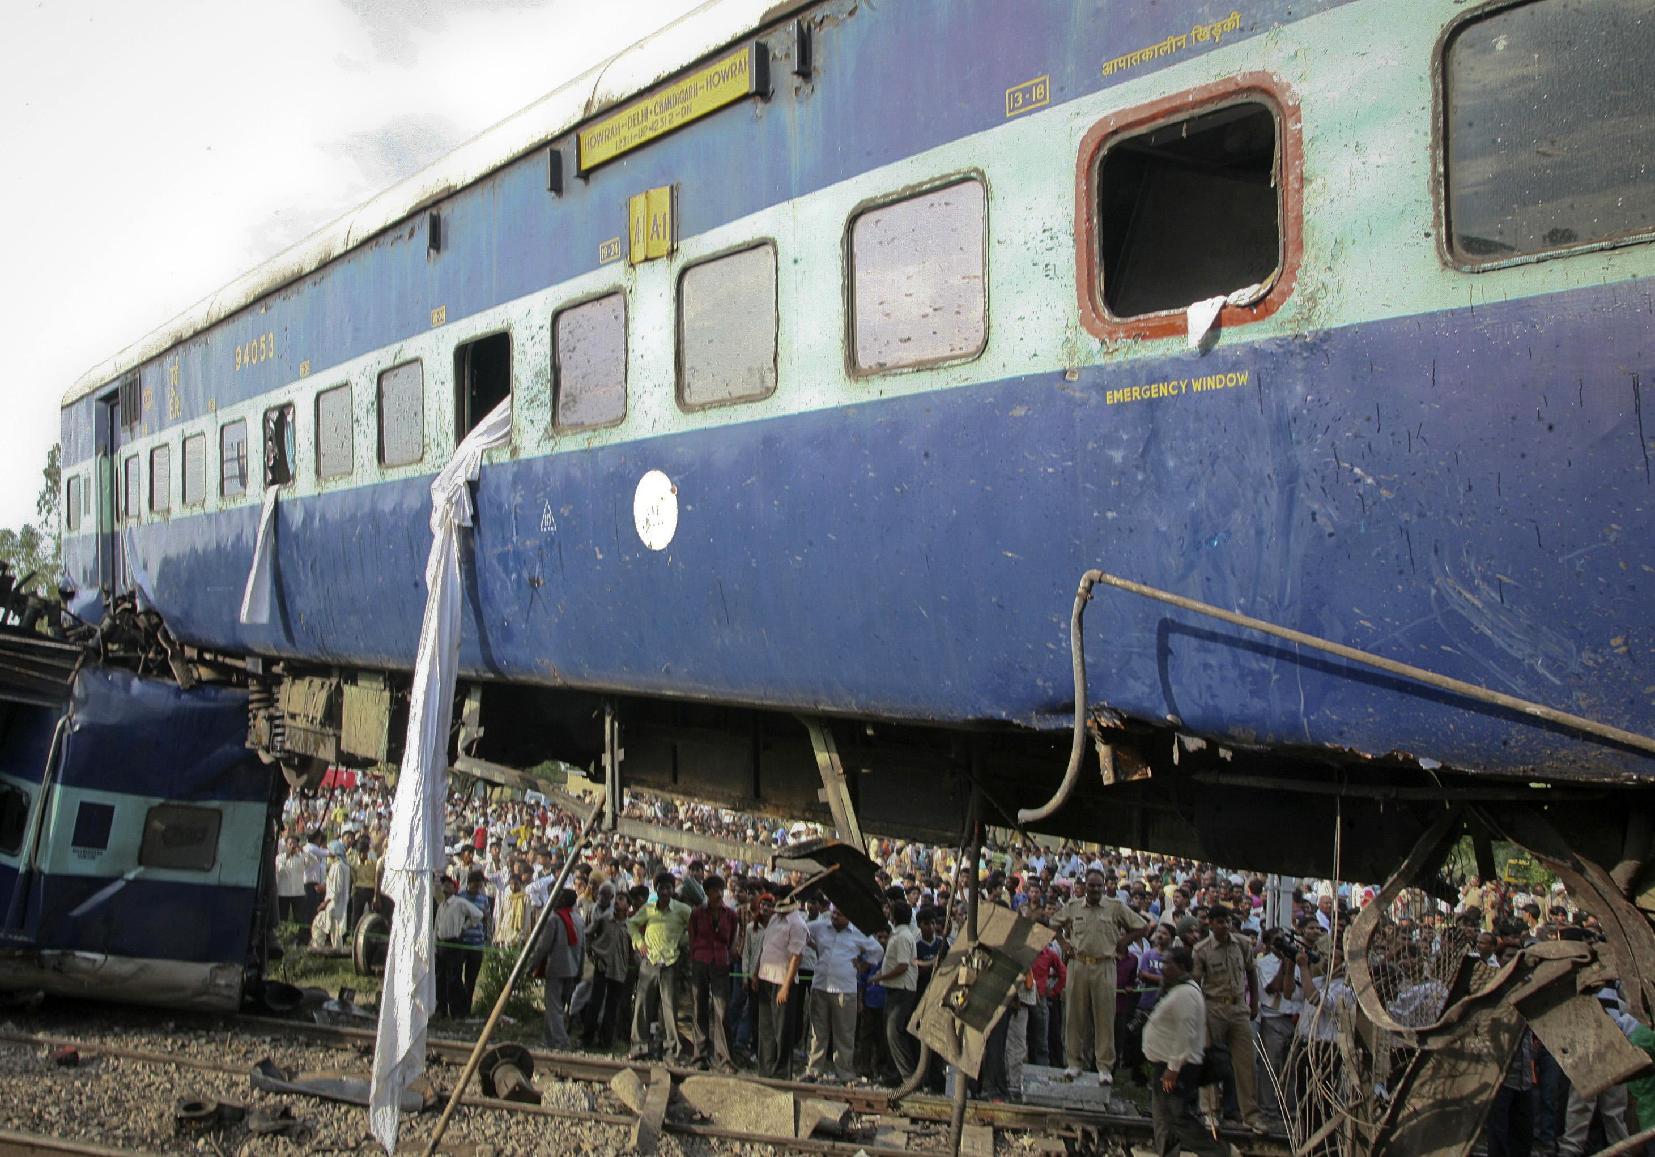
780	952
1278	1008
1175	1042
290	882
839	947
900	976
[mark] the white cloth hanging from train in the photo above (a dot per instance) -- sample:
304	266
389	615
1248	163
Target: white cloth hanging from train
255	596
414	850
1201	315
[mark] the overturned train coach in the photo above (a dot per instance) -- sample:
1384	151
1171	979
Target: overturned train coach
841	340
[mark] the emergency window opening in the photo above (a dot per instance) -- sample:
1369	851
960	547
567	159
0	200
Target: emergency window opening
482	380
1190	210
93	822
14	818
279	445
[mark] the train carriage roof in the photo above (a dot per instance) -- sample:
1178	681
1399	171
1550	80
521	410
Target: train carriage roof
697	34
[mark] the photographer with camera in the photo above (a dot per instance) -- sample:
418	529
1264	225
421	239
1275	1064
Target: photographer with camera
1279	1007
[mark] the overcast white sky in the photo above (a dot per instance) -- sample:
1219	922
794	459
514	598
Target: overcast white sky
154	150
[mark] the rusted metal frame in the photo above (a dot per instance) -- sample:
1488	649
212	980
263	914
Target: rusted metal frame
835	788
1230	91
1631	939
634	829
517	970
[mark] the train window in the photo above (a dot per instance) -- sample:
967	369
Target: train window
195	469
160	479
279	445
918	286
402	414
130	490
14	818
180	837
232	458
1189	209
589	363
727	328
93	822
335	433
131	399
1548	126
482	380
71	504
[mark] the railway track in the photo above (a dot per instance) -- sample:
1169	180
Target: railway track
495	1126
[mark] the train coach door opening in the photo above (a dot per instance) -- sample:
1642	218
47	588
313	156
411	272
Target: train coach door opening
111	560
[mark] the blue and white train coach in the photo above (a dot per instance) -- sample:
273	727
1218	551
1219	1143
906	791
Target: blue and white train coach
841	339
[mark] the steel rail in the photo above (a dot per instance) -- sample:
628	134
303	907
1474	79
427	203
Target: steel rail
15	1141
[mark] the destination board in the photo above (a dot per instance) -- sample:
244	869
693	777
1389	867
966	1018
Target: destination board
706	90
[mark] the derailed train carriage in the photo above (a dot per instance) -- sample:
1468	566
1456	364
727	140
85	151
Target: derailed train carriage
840	341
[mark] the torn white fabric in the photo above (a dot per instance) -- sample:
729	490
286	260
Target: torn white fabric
1201	315
255	596
413	853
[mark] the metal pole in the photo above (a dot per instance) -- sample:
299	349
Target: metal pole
517	971
974	840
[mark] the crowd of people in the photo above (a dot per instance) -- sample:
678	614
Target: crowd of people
1220	993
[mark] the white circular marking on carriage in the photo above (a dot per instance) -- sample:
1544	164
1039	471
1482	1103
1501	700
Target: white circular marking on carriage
655	510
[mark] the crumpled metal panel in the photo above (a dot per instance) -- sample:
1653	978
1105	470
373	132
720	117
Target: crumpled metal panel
169	983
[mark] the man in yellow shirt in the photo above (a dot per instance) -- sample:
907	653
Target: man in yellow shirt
659	930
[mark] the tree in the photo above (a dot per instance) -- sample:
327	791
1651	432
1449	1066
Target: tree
37	548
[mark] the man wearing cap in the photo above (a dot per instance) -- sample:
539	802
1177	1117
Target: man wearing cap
1229	982
780	954
1094	931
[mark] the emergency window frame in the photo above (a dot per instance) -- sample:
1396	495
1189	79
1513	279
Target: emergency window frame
199	439
350	432
379	414
1442	219
757	243
72	514
562	427
132	487
160	479
243	461
1261	88
890	200
152	855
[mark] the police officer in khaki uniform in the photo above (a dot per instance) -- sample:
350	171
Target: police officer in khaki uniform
1228	978
1094	932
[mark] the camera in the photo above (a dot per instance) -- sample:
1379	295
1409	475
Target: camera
1289	944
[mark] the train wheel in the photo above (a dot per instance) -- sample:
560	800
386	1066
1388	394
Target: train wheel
369	946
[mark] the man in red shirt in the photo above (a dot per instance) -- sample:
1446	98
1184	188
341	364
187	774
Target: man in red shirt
712	934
